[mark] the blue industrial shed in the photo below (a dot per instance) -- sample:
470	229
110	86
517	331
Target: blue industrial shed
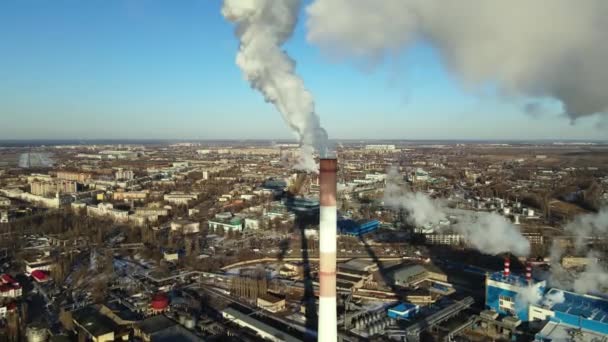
403	311
357	228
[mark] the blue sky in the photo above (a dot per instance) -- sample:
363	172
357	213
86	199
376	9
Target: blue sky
165	69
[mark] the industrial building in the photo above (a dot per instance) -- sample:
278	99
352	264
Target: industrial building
563	311
226	222
261	328
588	314
357	228
502	289
302	206
403	311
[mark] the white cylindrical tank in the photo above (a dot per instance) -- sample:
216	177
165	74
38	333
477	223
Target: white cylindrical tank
36	334
190	323
506	210
530	212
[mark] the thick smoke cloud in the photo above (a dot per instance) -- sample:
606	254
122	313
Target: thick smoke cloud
488	232
262	27
533	49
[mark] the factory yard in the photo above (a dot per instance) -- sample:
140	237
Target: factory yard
190	241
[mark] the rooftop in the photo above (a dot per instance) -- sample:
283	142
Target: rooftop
175	333
403	307
562	332
584	306
512	279
154	324
94	322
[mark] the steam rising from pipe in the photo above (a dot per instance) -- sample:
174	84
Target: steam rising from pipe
262	27
483	41
488	232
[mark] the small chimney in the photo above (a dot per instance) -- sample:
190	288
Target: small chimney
507	270
529	272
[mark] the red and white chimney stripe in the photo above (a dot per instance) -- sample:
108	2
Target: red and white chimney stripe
507	270
528	272
328	322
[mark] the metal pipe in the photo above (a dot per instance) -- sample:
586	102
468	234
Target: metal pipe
328	330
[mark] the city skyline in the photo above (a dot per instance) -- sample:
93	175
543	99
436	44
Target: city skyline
168	72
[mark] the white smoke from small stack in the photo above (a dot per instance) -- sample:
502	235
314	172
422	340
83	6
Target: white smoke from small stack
554	297
488	232
529	295
483	41
262	27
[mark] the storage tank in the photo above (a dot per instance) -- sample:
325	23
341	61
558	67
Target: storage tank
36	334
190	322
160	302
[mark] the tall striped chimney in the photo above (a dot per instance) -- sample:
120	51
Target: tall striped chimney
528	272
328	322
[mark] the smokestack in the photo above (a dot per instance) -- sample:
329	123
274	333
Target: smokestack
507	270
327	328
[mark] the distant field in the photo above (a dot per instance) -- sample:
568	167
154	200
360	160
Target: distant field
35	159
9	159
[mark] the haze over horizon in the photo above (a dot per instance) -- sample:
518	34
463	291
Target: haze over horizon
150	70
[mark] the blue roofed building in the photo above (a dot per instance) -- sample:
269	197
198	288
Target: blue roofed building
564	312
357	228
403	311
502	291
588	314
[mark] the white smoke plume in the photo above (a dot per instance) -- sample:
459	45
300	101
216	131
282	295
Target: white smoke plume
529	295
488	232
516	44
588	226
492	233
262	27
595	277
554	297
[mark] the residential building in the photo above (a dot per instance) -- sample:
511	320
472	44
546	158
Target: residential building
130	195
180	198
185	226
124	174
43	188
80	177
107	209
